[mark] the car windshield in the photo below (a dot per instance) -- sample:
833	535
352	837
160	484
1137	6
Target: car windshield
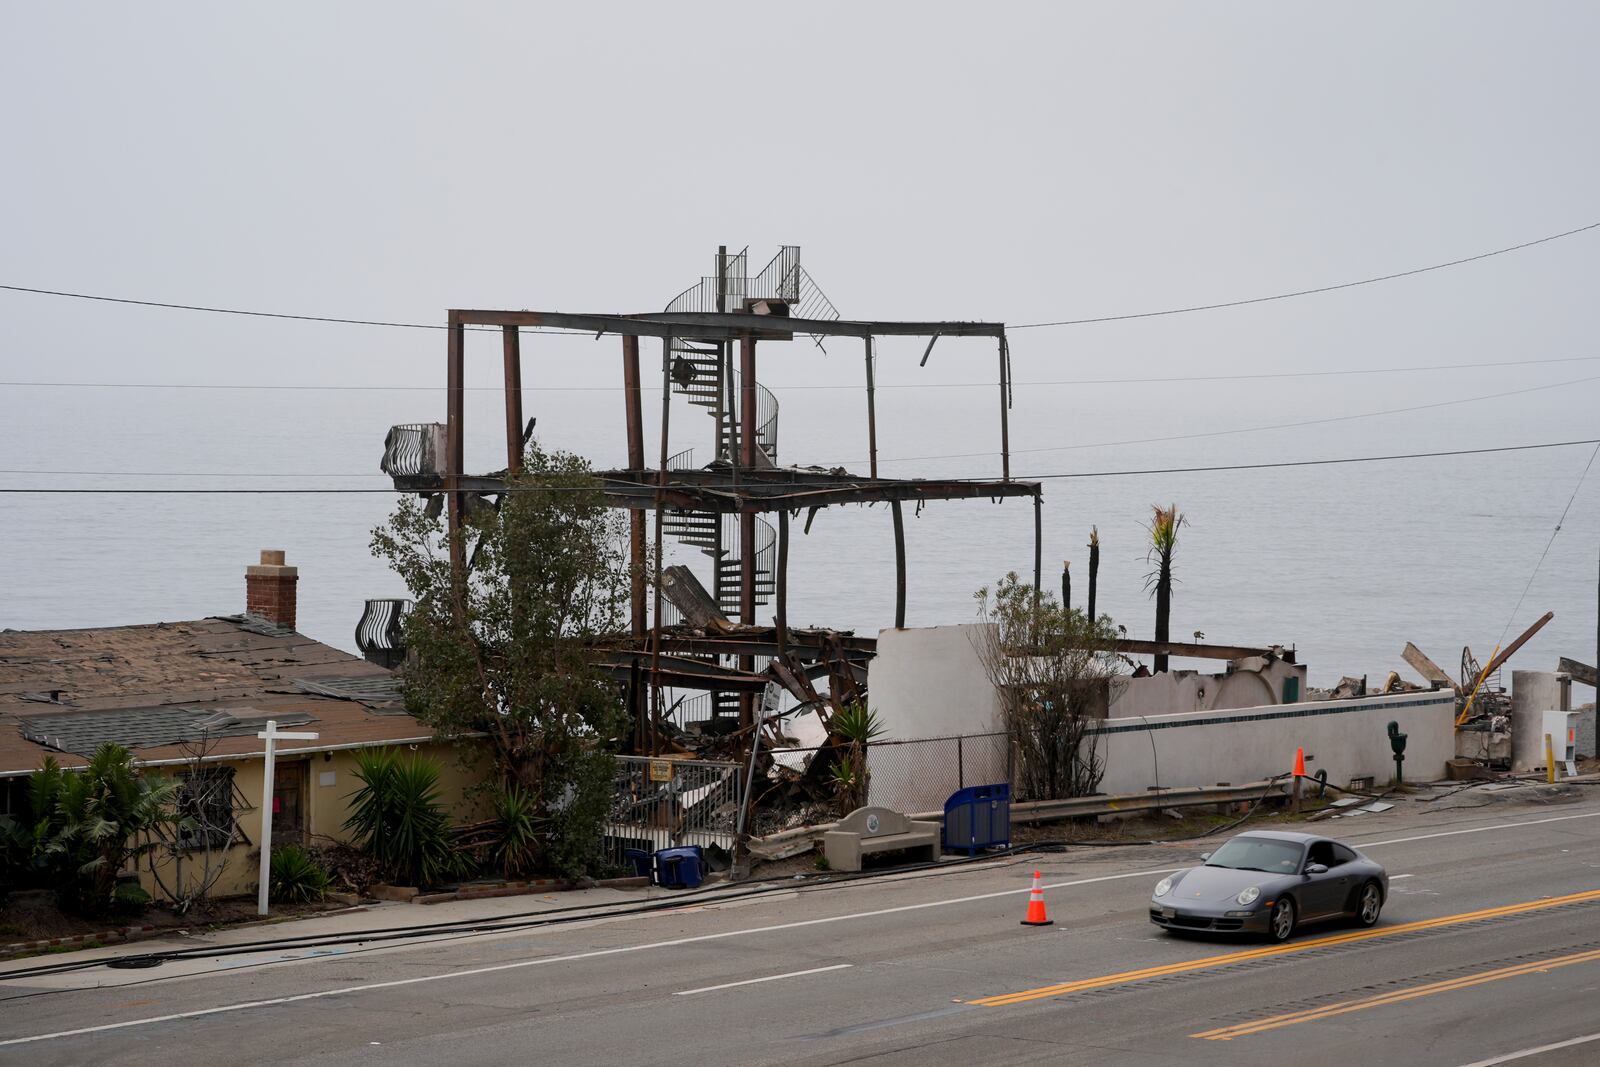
1257	854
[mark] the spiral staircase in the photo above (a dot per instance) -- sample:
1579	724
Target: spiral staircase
704	375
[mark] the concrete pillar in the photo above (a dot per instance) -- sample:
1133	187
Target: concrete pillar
1532	694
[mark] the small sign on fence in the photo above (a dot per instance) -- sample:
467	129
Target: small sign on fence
661	770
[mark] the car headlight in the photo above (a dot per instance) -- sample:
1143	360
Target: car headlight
1249	896
1164	886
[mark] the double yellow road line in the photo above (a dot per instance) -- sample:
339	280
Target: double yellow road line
1228	1033
1212	962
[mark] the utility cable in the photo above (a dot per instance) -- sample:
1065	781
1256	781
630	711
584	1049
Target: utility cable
851	483
1257	429
1310	292
1023	326
1547	544
536	389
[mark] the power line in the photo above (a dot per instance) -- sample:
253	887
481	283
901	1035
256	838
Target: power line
852	483
271	314
1513	617
1311	462
1310	292
1023	326
1256	429
1178	379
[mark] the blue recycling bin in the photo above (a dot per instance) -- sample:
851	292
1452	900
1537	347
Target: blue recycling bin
978	817
640	861
680	868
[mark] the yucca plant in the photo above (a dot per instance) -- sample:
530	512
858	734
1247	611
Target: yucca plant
396	817
296	878
1163	528
91	824
858	726
517	831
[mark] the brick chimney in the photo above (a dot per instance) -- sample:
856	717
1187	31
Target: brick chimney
270	588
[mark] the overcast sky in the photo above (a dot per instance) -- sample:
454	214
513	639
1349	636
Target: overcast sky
1005	161
1013	162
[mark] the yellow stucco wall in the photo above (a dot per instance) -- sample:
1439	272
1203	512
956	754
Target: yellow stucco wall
330	783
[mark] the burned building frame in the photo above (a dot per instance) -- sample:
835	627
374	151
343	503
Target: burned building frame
711	356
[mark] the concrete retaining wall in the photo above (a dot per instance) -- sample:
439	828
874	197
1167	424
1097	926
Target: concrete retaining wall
1347	738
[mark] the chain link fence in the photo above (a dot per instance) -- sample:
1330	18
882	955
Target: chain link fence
920	775
663	803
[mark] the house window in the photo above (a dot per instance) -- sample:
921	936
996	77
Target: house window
206	807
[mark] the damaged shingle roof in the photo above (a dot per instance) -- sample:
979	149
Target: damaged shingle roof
155	688
84	731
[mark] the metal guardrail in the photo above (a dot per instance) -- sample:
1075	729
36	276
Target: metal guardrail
791	842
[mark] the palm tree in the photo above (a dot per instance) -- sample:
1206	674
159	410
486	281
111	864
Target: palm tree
1163	543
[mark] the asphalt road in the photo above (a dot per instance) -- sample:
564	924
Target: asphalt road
1489	946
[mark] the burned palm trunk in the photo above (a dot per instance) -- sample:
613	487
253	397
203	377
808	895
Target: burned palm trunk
1094	568
1163	608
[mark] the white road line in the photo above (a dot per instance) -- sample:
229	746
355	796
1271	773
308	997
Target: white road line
754	981
519	964
1397	877
1479	829
1524	1053
516	965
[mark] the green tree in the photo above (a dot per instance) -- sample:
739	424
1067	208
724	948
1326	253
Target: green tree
91	825
1164	523
507	653
1052	669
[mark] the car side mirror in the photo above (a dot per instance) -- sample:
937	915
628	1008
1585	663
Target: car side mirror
1316	868
1204	856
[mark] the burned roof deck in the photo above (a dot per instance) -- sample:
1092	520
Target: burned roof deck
760	490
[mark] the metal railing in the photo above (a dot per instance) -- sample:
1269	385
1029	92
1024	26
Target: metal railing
413	450
662	803
380	635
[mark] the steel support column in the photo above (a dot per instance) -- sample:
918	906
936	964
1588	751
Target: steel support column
781	591
638	698
512	343
661	484
1005	407
454	462
872	414
747	519
899	566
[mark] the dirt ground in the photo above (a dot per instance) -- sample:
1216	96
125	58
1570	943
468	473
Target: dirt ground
32	915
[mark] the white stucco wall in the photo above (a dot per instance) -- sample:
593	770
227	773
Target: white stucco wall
929	682
1252	683
1347	738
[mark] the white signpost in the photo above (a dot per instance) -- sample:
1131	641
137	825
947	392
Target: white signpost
270	735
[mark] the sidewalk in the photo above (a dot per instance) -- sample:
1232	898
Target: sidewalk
382	915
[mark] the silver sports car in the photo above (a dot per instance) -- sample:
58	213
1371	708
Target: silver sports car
1269	883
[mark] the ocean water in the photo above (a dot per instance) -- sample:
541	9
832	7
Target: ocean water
1345	562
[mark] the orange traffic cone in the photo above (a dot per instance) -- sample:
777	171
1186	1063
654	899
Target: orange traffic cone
1036	916
1300	763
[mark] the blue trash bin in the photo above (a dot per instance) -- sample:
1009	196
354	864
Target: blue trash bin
640	861
977	818
680	868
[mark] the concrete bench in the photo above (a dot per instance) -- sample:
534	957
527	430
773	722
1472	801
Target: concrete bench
867	830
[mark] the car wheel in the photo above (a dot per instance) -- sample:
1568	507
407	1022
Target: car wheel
1280	924
1368	904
